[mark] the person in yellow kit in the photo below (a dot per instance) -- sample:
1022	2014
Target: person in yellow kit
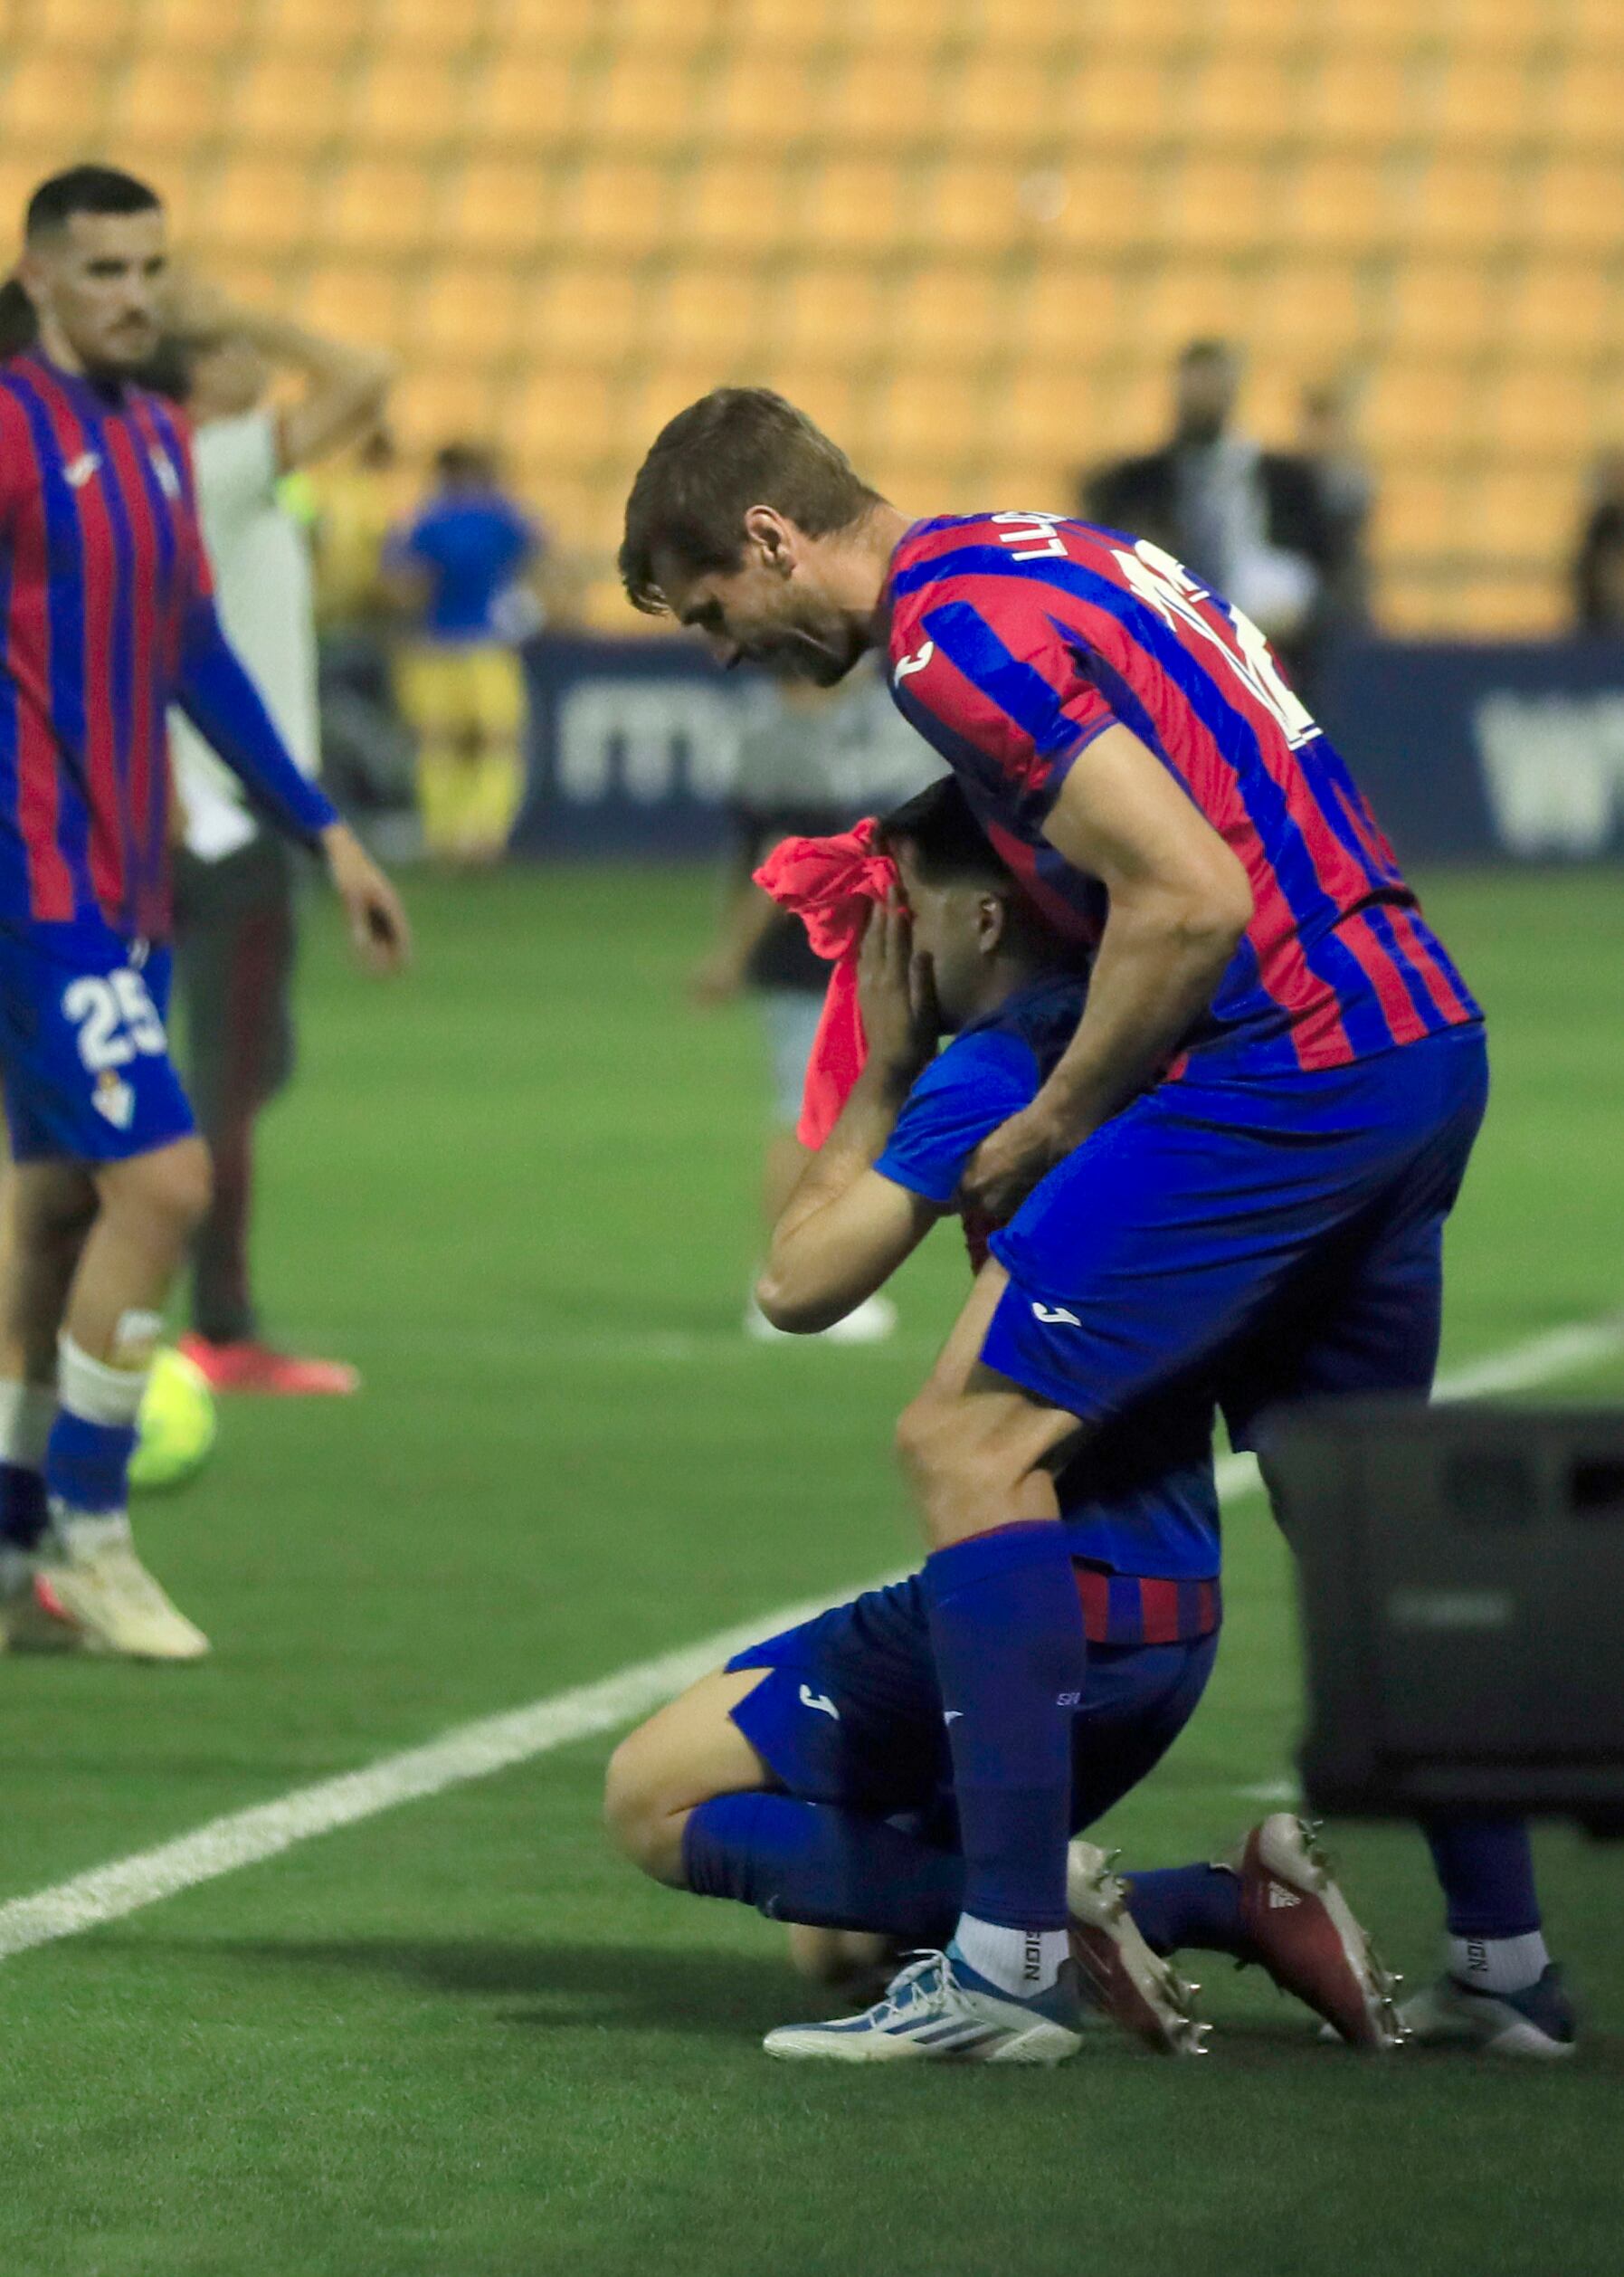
460	566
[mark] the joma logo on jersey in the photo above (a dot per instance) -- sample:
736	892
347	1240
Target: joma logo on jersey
164	467
907	665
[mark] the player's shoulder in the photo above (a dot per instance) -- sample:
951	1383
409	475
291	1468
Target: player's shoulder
1012	564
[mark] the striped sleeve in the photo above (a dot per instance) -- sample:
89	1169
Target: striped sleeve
1004	680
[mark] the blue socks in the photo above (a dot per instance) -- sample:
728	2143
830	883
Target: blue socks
830	1868
1175	1907
1485	1867
87	1464
22	1509
1007	1630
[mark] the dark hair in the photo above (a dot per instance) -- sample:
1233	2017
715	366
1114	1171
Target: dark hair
86	189
1208	351
467	462
736	448
19	324
948	842
168	371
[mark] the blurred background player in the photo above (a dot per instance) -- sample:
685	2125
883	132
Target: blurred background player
460	567
109	617
810	761
235	879
367	761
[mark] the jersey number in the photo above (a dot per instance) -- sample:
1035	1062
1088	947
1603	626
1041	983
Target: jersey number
116	1018
1170	590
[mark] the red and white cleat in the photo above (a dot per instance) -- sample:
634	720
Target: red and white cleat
249	1366
1119	1974
1306	1935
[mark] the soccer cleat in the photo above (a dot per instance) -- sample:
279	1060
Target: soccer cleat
939	2008
1303	1932
31	1621
250	1367
1118	1972
1537	2022
90	1574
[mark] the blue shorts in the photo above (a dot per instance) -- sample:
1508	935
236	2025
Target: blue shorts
852	1712
83	1049
1278	1239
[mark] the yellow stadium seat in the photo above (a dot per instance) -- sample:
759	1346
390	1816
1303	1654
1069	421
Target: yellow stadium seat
1129	411
195	26
784	25
1390	23
1540	412
659	393
1485	103
53	96
462	315
497	208
1046	413
997	102
882	98
927	416
1263	24
1240	99
1195	299
656	27
313	27
1559	309
758	97
899	23
432	405
1596	26
1518	511
971	206
711	312
93	27
594	315
183	179
858	203
1587	102
733	204
279	103
1499	605
1351	205
1152	26
1064	312
612	207
831	314
429	27
1419	510
1219	204
1445	309
643	104
1110	204
524	102
408	104
170	101
947	319
362	304
1578	203
260	206
1115	100
381	208
1420	409
1359	100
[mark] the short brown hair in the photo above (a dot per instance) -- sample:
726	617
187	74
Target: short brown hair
736	448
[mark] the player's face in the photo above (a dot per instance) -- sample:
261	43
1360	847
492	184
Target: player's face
958	926
769	611
95	283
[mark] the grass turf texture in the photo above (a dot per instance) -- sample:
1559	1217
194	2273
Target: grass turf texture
460	2039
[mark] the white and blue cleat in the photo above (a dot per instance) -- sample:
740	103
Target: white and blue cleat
939	2008
1537	2022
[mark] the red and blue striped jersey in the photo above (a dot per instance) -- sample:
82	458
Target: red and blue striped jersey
1016	639
105	619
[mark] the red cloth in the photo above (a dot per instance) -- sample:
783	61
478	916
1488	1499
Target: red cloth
830	884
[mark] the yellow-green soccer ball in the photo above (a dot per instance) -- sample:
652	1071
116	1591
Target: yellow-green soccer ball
175	1428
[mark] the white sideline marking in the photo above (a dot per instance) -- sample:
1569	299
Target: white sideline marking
494	1743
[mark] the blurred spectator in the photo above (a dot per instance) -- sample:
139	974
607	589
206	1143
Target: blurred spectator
810	760
463	568
1346	495
1598	567
235	917
1250	523
367	757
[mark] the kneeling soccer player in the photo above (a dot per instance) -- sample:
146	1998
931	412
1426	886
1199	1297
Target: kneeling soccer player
812	1778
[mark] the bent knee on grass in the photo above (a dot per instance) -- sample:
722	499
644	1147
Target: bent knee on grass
686	1751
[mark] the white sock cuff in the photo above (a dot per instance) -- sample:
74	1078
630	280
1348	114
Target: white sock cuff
94	1392
27	1412
1498	1964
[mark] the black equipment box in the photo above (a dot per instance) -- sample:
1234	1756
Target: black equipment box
1461	1574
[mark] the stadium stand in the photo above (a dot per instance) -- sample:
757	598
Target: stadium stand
968	232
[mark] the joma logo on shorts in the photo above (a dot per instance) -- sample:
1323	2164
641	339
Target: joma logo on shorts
1055	1314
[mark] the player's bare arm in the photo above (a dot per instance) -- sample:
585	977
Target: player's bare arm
845	1230
379	931
346	386
1180	903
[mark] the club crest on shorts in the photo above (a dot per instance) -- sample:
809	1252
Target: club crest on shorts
114	1099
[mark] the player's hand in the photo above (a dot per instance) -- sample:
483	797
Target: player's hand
895	993
716	979
1006	1167
378	930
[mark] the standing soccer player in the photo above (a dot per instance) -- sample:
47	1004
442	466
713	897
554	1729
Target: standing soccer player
1241	1164
107	618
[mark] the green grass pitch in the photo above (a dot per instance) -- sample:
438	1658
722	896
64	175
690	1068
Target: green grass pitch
458	2040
